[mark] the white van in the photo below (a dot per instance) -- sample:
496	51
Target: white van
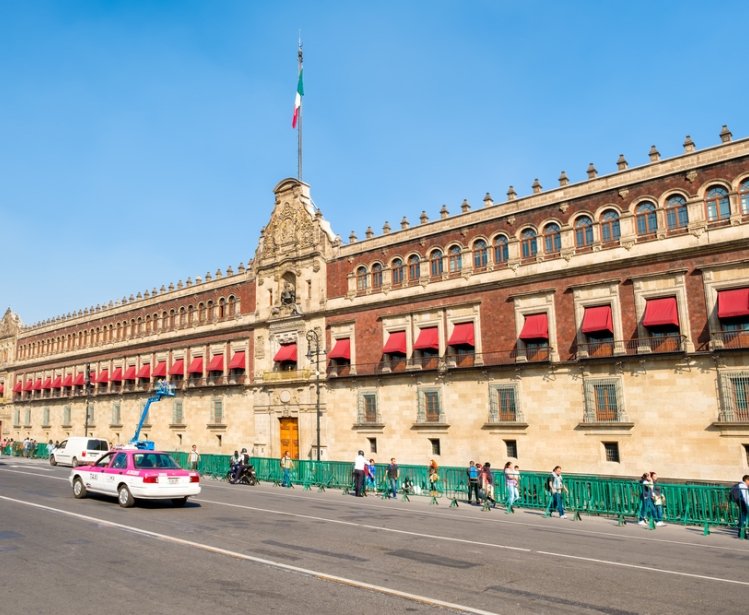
78	450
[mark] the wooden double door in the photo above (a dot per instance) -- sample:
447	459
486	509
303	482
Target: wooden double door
289	436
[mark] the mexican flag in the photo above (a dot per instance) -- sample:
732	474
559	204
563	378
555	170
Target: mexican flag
298	100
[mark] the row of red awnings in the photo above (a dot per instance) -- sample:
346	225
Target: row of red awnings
178	367
428	339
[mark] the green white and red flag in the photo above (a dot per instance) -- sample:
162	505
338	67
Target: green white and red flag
298	99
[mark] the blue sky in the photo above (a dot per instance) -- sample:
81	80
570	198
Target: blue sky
140	141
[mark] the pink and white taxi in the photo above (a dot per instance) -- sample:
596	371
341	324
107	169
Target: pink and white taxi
132	474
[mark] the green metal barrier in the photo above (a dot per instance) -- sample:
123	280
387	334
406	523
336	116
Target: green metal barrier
705	505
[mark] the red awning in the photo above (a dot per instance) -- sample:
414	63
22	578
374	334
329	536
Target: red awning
216	364
117	375
341	350
18	387
287	352
47	383
145	371
597	319
396	343
462	335
536	327
2	389
237	361
733	303
428	339
103	377
130	373
177	368
29	385
79	380
38	384
57	383
68	382
661	312
196	366
160	370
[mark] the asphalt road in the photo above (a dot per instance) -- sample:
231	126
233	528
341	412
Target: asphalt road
265	549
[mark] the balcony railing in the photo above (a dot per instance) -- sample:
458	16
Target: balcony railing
636	346
730	340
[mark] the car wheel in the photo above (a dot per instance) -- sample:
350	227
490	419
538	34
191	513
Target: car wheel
179	502
52	460
124	497
79	489
75	462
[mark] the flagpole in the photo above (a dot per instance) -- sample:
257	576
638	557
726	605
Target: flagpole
299	121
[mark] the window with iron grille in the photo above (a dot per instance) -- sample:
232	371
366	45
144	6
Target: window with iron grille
746	453
612	451
66	415
503	407
367	411
430	407
90	415
45	416
116	415
27	419
17	418
604	401
218	411
734	397
178	416
372	445
512	448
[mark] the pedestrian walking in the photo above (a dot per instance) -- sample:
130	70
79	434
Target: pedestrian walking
659	499
742	499
360	463
370	471
473	472
287	465
557	489
647	508
393	474
433	477
487	483
511	485
194	457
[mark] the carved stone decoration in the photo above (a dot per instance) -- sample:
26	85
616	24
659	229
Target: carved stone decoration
623	193
691	176
563	207
511	220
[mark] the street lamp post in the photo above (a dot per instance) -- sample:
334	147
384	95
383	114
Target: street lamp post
314	350
88	384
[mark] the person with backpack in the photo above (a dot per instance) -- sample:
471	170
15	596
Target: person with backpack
659	500
739	495
473	473
647	507
287	465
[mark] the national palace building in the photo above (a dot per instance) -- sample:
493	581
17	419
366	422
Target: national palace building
600	325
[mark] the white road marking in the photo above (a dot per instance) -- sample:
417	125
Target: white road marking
259	560
648	568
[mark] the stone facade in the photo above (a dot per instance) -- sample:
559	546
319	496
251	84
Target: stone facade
584	325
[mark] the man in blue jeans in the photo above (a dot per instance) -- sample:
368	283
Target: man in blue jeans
393	474
743	503
557	488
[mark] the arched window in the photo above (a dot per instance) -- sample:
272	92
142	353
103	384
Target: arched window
221	307
454	259
172	319
501	249
676	212
414	268
397	272
583	232
209	312
610	231
717	204
647	223
376	275
480	254
231	305
190	314
435	263
182	316
361	279
201	312
744	197
528	243
552	238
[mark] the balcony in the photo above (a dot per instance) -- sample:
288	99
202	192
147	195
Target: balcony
637	346
729	340
286	375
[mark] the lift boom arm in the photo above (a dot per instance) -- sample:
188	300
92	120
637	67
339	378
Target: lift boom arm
162	390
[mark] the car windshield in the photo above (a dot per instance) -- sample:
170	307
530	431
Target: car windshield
154	460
